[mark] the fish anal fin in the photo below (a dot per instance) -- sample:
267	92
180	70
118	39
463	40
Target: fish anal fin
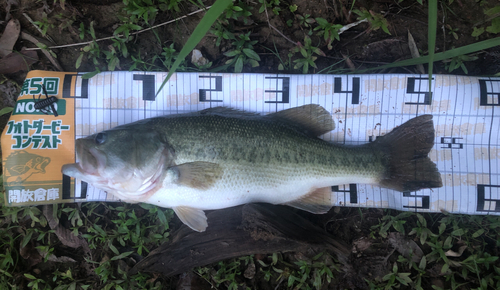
313	119
192	217
200	175
317	201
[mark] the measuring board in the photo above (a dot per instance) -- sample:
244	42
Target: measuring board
466	114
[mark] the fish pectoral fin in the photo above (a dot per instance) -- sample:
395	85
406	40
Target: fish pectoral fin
192	217
313	119
200	175
317	201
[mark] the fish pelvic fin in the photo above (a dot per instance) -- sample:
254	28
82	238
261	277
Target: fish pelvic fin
317	201
192	217
200	175
314	120
406	149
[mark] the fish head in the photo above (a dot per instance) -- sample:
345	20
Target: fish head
129	163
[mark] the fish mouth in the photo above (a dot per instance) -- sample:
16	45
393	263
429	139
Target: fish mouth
90	162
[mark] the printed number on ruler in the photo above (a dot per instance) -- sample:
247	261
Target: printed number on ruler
218	88
489	92
416	87
488	198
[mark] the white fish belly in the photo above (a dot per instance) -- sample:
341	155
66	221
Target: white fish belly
247	184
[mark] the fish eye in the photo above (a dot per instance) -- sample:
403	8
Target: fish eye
100	138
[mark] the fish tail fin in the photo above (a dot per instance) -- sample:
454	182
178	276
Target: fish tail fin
406	148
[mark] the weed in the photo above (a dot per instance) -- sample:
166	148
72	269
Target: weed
271	4
169	55
305	21
458	62
44	24
222	32
328	30
389	221
452	31
493	15
307	51
236	11
243	53
376	20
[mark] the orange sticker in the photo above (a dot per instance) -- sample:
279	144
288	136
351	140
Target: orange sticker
39	139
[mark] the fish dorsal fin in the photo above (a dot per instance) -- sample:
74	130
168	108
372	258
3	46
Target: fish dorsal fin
200	175
192	217
317	201
313	119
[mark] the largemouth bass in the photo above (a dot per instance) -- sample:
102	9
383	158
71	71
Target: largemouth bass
220	157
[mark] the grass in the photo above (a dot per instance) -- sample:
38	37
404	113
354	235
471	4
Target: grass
458	251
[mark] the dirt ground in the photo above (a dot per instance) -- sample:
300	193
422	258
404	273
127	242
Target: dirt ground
364	48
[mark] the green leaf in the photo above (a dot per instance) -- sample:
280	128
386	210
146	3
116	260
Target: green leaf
423	263
121	256
29	276
232	53
113	63
200	31
87	48
478	233
495	26
442	228
72	286
120	29
321	21
113	248
458	232
423	236
161	217
238	66
26	239
91	74
6	110
404	278
92	32
79	61
251	54
492	11
445	268
253	62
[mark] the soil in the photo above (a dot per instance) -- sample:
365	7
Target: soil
364	48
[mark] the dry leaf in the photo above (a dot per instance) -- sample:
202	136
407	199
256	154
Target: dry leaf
10	3
406	247
65	236
349	62
18	61
9	37
30	254
35	41
451	253
414	52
